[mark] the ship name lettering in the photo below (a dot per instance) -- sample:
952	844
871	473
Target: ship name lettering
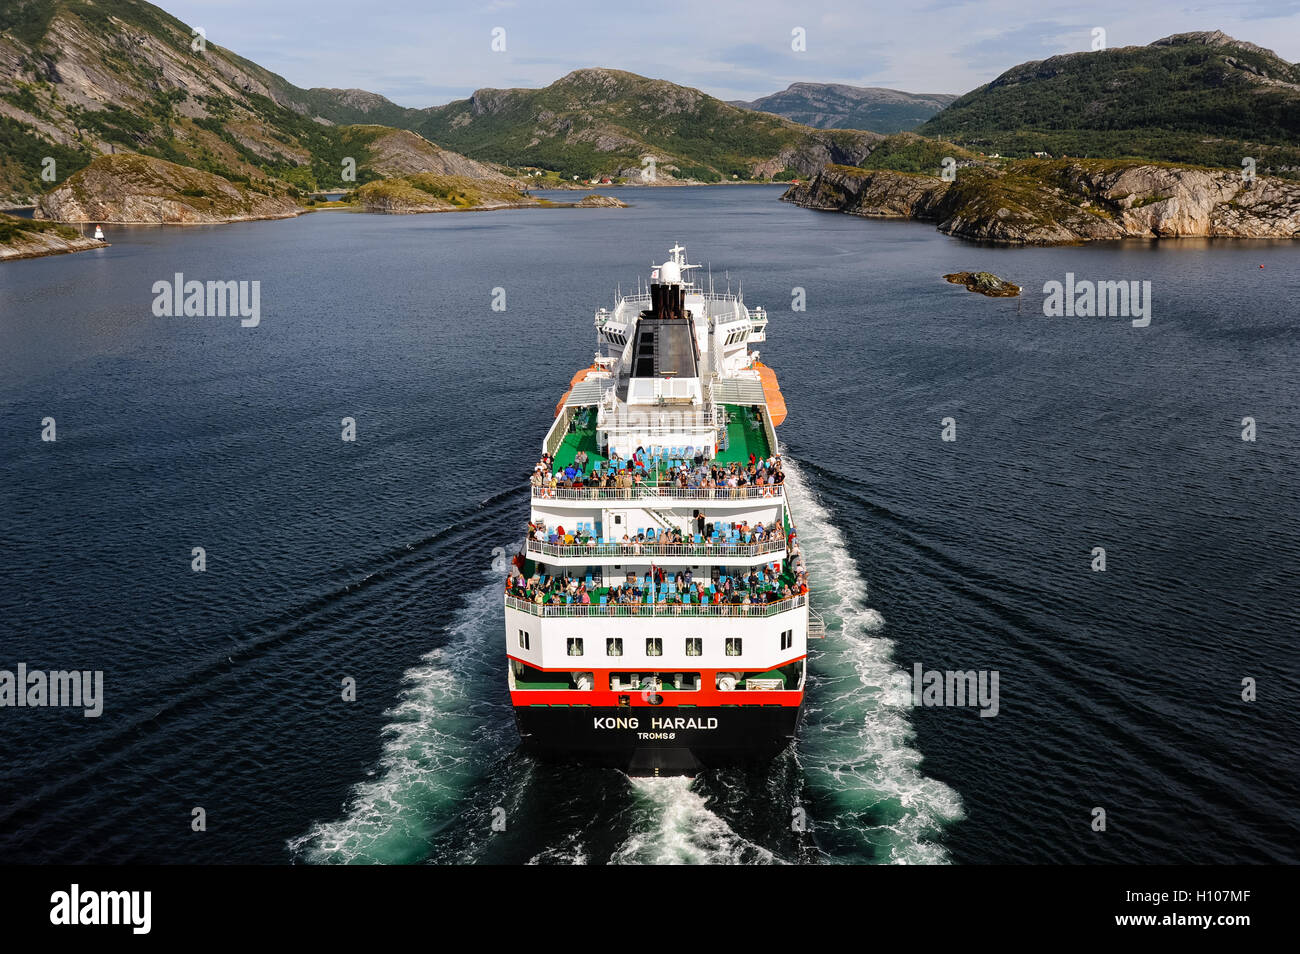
616	722
678	722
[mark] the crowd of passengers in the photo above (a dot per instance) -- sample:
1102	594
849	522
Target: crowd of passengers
642	469
761	585
582	536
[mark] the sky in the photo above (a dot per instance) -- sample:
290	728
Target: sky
429	53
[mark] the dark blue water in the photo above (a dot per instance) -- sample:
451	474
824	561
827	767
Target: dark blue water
373	559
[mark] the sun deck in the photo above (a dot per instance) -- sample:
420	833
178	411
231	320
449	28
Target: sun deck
743	435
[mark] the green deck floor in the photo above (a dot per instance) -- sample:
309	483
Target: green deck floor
744	436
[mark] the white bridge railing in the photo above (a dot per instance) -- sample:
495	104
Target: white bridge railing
656	549
656	609
771	491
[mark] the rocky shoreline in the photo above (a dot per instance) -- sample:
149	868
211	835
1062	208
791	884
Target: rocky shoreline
1062	202
25	238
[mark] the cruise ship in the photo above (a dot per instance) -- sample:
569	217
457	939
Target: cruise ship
657	615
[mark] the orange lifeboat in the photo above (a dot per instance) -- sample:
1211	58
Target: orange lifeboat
580	376
771	393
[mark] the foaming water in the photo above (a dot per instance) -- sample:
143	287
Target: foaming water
671	824
447	724
869	799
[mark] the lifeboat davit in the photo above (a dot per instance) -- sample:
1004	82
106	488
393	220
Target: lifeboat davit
771	393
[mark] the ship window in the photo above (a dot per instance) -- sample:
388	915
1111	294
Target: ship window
523	640
614	646
654	646
733	645
575	646
787	639
694	646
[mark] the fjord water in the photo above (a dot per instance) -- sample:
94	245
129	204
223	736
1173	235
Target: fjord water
373	560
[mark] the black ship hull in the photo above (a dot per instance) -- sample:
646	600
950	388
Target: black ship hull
657	741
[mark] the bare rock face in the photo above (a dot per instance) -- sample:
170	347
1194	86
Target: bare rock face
1168	201
141	190
1067	201
399	152
1270	208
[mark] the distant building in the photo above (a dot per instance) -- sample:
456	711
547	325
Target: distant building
1042	155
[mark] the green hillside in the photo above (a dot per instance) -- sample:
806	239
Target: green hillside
1201	98
121	76
601	122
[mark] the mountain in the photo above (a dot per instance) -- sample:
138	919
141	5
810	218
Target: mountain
80	79
836	106
1202	98
596	122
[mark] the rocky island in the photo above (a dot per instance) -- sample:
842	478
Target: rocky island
1065	201
594	201
986	283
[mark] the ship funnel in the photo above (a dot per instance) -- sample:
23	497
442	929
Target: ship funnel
666	301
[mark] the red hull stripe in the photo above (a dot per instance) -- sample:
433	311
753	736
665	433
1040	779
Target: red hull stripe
672	698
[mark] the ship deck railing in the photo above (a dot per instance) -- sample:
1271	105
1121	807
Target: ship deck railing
656	490
712	550
657	609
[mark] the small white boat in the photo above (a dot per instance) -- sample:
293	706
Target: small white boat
99	233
